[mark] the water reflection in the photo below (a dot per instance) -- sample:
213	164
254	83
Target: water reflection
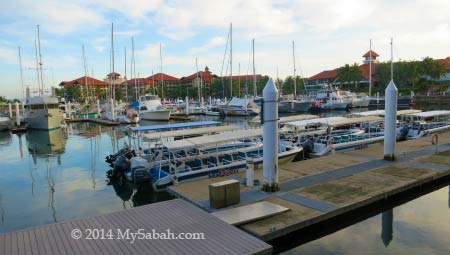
387	231
5	138
45	144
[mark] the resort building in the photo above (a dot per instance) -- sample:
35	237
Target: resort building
90	88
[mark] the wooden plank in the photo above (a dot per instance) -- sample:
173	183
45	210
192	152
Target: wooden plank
248	213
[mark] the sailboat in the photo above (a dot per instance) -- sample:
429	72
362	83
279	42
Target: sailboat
292	103
150	106
122	114
42	112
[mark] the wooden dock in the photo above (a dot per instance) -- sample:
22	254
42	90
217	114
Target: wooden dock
176	215
96	121
325	188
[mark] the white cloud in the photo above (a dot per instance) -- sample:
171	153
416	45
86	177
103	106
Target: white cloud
211	44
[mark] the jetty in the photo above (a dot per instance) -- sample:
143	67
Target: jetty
322	188
96	121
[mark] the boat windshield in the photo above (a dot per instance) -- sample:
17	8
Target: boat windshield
150	97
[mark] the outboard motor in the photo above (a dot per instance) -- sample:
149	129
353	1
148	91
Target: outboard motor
140	174
121	165
308	148
403	133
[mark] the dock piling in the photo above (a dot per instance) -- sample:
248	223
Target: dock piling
98	108
187	106
17	114
270	137
250	173
390	120
113	117
10	111
69	111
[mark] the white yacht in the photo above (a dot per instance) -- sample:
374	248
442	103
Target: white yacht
5	123
150	108
42	112
240	107
330	98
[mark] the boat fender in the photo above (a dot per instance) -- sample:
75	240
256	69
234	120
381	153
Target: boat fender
434	139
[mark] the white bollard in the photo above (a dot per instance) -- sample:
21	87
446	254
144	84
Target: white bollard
17	114
69	110
412	94
10	111
210	103
390	121
202	103
113	117
270	137
250	173
187	106
98	108
378	97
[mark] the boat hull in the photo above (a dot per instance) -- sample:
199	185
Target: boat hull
289	107
155	115
44	119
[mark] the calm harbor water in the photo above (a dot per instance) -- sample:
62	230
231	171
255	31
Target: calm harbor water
48	177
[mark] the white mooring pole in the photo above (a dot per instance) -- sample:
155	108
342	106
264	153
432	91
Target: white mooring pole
186	105
10	110
69	110
98	108
390	118
113	117
17	114
270	137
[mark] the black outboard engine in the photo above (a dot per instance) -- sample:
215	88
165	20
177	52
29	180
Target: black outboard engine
140	174
308	148
122	152
121	165
403	133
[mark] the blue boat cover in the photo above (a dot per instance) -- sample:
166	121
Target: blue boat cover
175	126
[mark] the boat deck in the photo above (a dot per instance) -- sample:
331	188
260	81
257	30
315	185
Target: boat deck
176	215
323	188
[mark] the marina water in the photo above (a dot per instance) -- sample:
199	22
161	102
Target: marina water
48	177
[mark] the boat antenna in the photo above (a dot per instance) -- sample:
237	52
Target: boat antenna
254	72
370	67
392	59
133	60
295	80
112	55
231	60
162	80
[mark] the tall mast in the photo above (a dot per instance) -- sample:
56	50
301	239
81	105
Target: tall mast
37	65
295	77
254	72
133	61
231	60
198	84
126	86
392	59
162	80
21	73
239	79
85	72
112	56
40	63
370	68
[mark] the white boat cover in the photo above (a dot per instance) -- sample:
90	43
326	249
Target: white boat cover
187	132
431	113
335	121
212	139
297	118
242	102
381	112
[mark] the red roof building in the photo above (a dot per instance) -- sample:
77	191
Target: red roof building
83	81
162	77
445	62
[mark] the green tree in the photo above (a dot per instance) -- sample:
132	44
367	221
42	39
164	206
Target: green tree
350	74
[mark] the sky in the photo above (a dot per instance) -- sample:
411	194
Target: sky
327	35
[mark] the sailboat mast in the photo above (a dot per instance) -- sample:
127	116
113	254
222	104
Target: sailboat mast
112	56
198	84
254	72
133	62
295	77
231	60
239	79
85	72
126	87
37	65
21	73
392	59
40	63
370	68
162	80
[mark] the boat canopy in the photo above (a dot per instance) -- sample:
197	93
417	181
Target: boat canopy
302	123
356	120
175	126
381	112
212	139
297	118
242	102
187	132
335	121
430	113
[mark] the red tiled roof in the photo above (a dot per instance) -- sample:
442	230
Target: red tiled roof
66	83
140	81
205	75
327	74
164	77
445	62
365	71
374	54
90	81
